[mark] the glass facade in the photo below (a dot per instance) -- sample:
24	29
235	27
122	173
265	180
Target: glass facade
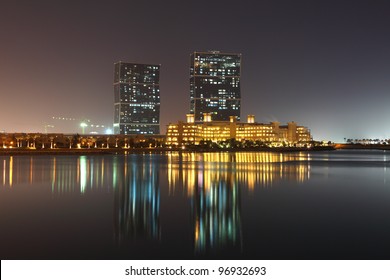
136	98
215	85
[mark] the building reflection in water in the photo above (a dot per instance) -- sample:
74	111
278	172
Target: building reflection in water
132	178
137	199
216	213
67	175
81	175
213	181
249	169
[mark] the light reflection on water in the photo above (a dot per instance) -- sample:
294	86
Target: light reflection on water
84	173
213	183
249	169
137	199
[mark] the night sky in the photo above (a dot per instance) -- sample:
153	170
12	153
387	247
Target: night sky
322	64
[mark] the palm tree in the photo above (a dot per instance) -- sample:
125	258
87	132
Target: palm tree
51	141
19	142
70	141
3	139
126	139
35	139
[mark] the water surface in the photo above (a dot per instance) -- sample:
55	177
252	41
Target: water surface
322	205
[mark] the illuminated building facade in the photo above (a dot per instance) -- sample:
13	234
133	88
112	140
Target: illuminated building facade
137	98
215	85
190	132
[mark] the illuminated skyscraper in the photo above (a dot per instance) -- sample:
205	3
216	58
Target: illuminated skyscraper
215	85
137	98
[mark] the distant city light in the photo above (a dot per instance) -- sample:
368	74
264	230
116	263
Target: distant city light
108	131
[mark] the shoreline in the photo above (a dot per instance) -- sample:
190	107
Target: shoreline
361	147
119	151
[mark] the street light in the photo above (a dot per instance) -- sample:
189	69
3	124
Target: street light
83	126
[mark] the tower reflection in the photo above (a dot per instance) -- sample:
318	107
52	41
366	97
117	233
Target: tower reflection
137	199
214	182
133	179
216	213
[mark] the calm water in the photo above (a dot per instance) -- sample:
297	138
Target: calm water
323	205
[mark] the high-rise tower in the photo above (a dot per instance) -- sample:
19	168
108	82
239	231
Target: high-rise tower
137	98
215	85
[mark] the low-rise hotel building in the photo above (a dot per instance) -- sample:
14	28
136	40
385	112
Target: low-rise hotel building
191	132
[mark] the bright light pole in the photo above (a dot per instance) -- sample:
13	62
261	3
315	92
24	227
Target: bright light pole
83	126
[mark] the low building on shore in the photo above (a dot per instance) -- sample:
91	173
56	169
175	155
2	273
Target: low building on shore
274	134
72	141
